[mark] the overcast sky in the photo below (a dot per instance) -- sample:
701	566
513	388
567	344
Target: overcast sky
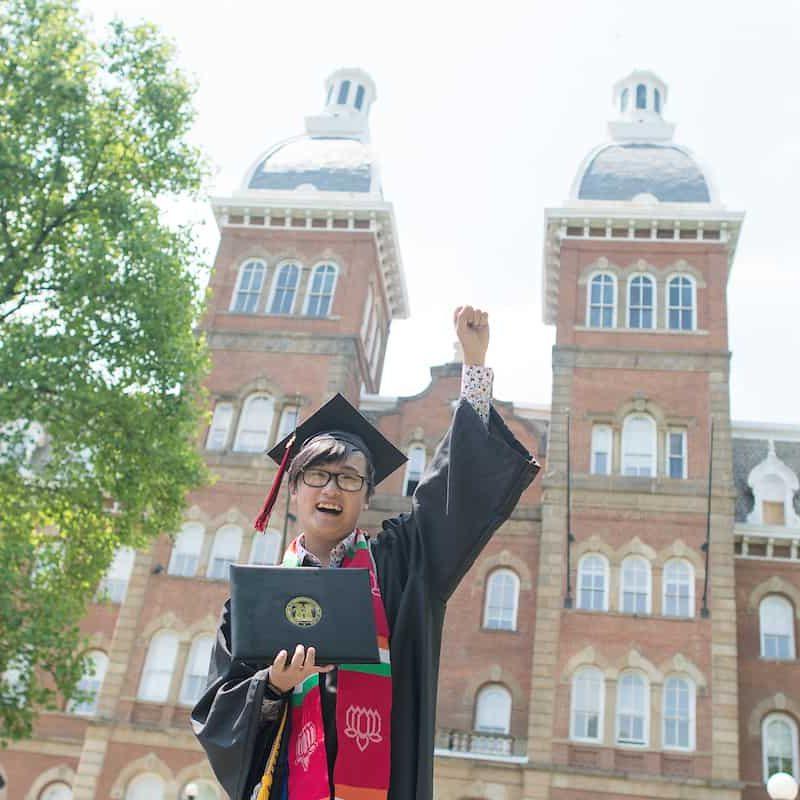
483	116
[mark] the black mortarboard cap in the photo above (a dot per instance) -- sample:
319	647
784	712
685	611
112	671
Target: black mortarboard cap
337	418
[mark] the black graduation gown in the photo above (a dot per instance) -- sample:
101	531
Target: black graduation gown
470	488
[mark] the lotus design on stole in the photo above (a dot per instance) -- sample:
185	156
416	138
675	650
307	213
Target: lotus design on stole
307	743
363	725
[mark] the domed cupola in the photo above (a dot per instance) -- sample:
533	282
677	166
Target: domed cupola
642	164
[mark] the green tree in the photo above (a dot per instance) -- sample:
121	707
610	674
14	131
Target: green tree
100	371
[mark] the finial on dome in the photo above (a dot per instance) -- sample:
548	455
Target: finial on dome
349	94
639	99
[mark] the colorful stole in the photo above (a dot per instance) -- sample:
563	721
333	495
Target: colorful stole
363	714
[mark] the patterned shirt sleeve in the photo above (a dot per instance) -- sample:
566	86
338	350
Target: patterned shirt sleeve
476	388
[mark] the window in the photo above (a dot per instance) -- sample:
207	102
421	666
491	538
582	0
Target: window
641	302
320	291
220	425
772	494
602	439
657	101
284	289
632	705
623	100
91	684
158	667
266	546
679	713
57	791
641	96
502	600
602	301
776	617
493	719
248	290
186	550
414	468
288	422
680	304
635	586
146	787
587	705
225	551
344	89
773	512
676	454
15	681
255	424
639	446
115	583
678	580
196	675
779	744
593	583
359	97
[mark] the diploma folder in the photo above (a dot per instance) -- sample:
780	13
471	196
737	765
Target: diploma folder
277	608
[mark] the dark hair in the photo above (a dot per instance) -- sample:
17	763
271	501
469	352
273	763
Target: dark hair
328	450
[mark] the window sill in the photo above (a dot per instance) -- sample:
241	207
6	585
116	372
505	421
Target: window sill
646	331
267	315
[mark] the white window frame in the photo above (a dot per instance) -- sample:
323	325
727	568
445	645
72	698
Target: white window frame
272	540
147	780
668	453
493	576
624	712
606	575
189	695
767	627
197	531
626	456
274	288
602	306
144	692
649	585
285	425
232	532
485	692
309	289
411	473
91	683
220	429
239	279
53	791
597	430
243	419
653	306
665	583
692	709
114	585
774	717
668	307
598	678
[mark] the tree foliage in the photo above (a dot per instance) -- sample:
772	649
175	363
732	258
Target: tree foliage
100	371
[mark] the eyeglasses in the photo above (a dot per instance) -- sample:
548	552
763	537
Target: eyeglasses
346	481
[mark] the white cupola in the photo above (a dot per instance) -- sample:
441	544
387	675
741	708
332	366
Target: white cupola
349	94
640	99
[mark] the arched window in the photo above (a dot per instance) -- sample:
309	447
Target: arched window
415	467
502	600
634	590
57	791
593	583
776	617
186	550
344	89
779	745
248	287
602	443
641	302
255	424
633	703
359	97
678	582
657	101
680	303
146	787
320	290
284	289
623	100
114	584
91	684
225	551
196	675
602	305
265	549
588	701
641	96
639	445
158	667
220	425
679	713
288	422
492	719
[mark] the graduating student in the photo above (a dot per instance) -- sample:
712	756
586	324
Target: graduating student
301	731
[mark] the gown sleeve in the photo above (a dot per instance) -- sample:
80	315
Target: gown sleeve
227	719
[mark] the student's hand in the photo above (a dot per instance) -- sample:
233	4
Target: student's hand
472	327
285	676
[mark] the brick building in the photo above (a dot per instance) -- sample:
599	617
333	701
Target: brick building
642	645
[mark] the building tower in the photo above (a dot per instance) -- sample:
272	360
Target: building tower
633	657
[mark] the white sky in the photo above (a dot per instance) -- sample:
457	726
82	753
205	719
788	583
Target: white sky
483	116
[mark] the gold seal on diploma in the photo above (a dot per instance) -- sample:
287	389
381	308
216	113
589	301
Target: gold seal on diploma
305	612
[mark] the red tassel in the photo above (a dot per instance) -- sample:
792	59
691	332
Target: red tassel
263	518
